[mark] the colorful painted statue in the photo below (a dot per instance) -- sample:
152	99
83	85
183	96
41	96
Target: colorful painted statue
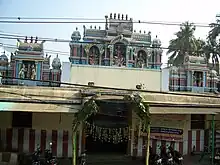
22	72
33	72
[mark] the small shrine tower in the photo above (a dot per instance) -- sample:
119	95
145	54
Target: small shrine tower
28	66
29	59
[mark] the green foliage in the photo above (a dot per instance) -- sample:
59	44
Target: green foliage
185	41
90	107
140	108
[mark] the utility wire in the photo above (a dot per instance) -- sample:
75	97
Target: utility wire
61	103
14	37
82	18
50	18
98	22
72	102
45	50
118	89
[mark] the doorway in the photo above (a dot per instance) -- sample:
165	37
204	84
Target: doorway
107	132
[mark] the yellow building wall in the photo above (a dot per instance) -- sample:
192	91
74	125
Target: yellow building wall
5	119
46	121
49	121
116	77
209	120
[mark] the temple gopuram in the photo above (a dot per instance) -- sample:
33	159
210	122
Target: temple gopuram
28	64
194	75
117	45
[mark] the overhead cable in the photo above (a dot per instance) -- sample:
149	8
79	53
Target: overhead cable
15	37
99	22
117	89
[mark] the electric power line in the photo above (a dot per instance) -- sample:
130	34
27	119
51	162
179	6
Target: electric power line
20	37
119	90
86	21
45	50
58	103
50	18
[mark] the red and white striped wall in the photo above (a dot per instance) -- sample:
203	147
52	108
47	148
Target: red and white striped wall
195	138
26	140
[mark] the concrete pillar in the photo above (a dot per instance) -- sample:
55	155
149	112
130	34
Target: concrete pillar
187	127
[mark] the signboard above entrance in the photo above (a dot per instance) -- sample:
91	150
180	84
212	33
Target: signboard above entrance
166	134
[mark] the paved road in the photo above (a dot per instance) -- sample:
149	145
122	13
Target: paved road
194	160
190	160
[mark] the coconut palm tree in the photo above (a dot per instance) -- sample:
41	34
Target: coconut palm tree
214	44
184	42
215	30
199	49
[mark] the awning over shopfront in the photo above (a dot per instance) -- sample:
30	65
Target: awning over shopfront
29	107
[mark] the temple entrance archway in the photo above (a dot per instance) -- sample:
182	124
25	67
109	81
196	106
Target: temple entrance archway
107	131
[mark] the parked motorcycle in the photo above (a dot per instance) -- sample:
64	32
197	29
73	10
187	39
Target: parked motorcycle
82	158
216	158
167	158
49	158
36	156
177	156
154	159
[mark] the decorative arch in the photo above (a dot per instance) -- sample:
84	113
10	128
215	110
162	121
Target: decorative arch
87	47
141	58
94	55
119	38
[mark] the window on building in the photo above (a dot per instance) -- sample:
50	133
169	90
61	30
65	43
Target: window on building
197	121
22	119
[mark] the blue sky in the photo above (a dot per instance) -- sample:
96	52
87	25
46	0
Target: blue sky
199	11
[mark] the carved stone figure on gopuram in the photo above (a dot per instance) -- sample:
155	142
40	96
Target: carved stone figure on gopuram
117	45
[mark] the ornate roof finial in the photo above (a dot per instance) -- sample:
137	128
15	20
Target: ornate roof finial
95	27
114	15
84	30
144	31
122	17
156	36
25	41
76	28
118	15
140	31
110	15
126	17
36	39
31	39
